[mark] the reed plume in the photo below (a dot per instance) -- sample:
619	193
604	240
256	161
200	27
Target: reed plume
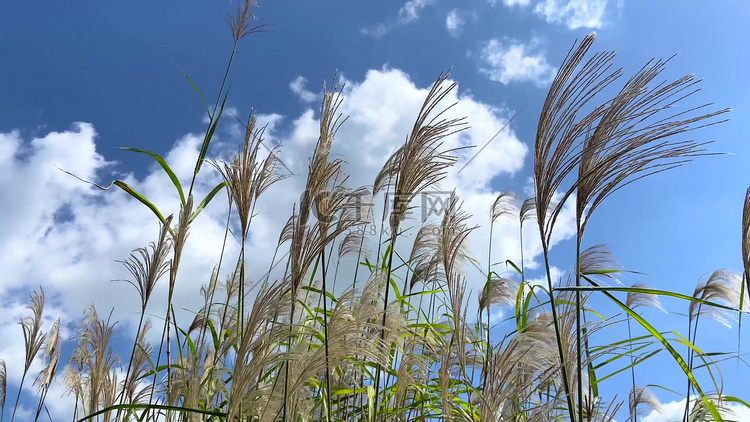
52	357
33	338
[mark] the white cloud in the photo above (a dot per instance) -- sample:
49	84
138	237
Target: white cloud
508	60
408	13
298	87
573	13
454	23
675	410
520	3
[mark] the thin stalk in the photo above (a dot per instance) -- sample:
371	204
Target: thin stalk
579	378
130	362
325	331
216	106
632	370
558	336
385	310
692	335
23	378
485	367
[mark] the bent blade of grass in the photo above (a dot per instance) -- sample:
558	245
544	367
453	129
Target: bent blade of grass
206	200
154	407
598	288
164	166
677	357
124	186
195	87
213	123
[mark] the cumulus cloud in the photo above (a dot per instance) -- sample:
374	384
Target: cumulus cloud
454	23
573	13
407	14
507	60
66	235
298	87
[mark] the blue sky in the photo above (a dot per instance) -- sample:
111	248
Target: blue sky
116	66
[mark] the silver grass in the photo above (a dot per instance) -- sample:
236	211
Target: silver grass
33	337
649	300
643	401
248	175
560	128
723	286
240	22
51	356
453	233
133	392
93	360
148	265
556	154
631	141
528	210
504	205
500	291
420	163
599	261
425	257
352	244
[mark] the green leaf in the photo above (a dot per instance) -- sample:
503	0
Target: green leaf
646	290
196	90
645	324
124	186
164	166
214	122
155	407
206	200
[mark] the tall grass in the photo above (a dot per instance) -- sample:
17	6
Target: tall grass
296	350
